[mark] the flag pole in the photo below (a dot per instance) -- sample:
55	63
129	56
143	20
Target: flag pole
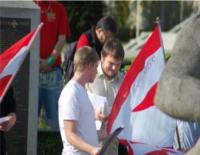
157	22
110	139
178	138
36	32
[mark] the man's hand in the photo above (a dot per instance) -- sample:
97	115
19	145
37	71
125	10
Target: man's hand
99	114
95	151
6	126
44	67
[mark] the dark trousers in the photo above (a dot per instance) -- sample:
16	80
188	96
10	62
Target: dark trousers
2	144
122	150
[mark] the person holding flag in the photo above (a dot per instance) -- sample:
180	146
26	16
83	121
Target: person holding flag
107	82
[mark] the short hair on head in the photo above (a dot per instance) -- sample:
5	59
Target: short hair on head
113	47
107	23
85	56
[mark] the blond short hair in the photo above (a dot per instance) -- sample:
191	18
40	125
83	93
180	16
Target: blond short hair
85	56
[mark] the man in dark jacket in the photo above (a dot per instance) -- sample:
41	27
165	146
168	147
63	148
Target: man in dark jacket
105	28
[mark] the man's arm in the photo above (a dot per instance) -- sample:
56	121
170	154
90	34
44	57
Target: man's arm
76	141
59	45
44	66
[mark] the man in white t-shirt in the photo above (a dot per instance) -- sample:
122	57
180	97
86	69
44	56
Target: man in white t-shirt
76	114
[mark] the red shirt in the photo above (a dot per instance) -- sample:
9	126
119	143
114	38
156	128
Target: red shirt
89	39
55	19
82	41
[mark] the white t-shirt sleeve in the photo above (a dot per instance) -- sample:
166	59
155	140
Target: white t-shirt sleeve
69	106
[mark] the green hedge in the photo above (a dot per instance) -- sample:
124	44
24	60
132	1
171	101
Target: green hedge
49	143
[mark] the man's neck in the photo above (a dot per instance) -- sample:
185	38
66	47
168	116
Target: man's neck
107	76
79	77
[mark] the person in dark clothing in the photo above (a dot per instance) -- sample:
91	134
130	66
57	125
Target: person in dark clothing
95	37
106	27
7	108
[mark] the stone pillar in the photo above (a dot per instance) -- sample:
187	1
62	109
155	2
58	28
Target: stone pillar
18	18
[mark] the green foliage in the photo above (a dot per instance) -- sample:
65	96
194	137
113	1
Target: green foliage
122	12
124	34
82	15
167	11
49	143
127	63
42	124
167	56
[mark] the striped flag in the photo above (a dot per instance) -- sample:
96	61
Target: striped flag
12	58
134	104
137	148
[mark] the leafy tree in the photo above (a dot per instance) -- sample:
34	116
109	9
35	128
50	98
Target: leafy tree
82	15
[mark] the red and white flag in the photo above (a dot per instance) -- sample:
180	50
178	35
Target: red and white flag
137	148
134	104
12	58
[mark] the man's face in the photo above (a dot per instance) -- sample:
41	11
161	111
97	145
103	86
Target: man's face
93	71
103	35
110	65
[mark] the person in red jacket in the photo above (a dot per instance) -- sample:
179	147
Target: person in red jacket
95	37
52	39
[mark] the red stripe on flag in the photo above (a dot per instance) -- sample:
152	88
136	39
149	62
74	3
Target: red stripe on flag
8	54
158	152
151	46
146	149
148	101
3	83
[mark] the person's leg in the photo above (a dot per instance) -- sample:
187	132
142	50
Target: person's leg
52	93
42	86
40	100
2	144
122	150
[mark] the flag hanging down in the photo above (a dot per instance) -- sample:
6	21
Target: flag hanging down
12	58
134	104
136	148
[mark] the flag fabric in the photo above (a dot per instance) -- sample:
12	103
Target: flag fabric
12	58
134	104
137	148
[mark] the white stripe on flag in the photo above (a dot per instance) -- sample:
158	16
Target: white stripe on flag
146	79
14	63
